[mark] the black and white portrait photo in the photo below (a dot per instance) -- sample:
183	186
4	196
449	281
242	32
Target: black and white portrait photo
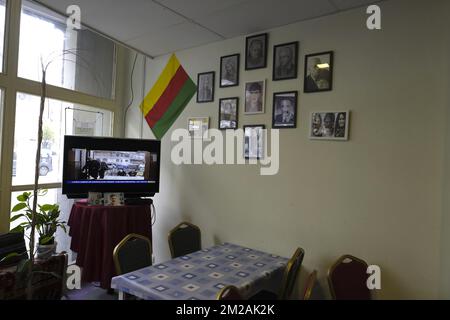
318	72
228	113
254	97
254	140
284	110
205	87
256	52
329	125
229	71
285	61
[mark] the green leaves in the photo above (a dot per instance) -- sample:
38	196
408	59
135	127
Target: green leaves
17	216
46	217
19	207
24	196
46	240
9	256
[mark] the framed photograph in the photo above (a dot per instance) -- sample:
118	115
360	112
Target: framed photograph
285	57
318	72
329	125
114	199
256	52
254	141
197	127
205	87
95	198
284	110
255	93
229	71
228	113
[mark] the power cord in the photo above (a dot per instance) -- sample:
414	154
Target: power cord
131	87
153	213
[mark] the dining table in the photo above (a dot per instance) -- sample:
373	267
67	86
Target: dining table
202	274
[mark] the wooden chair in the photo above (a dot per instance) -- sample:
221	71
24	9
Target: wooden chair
289	279
310	285
132	253
229	293
185	238
347	279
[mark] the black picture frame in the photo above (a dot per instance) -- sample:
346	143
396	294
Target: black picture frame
256	51
285	70
246	143
229	71
325	81
287	100
255	87
235	119
205	94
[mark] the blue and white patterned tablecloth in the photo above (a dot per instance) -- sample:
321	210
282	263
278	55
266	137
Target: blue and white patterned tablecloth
201	275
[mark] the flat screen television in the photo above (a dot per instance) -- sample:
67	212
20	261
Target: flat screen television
93	164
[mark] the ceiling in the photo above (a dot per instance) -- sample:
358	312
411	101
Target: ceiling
157	27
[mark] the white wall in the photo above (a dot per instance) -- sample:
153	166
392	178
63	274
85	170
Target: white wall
378	196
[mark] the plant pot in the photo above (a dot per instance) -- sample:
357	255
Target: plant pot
46	251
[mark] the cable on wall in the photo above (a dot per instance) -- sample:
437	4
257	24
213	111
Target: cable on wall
132	90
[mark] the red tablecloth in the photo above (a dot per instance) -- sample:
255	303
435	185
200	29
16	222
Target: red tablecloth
96	230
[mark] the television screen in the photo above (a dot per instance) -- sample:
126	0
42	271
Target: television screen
92	164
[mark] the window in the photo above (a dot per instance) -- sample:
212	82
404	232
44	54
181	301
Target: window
79	59
82	61
60	118
2	31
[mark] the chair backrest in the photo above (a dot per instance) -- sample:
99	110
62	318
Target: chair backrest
185	238
10	243
347	279
310	285
229	293
132	253
290	274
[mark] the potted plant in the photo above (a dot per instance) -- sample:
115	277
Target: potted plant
46	222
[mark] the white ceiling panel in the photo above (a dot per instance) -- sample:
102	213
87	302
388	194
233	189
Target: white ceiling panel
255	15
162	26
121	19
199	8
348	4
181	36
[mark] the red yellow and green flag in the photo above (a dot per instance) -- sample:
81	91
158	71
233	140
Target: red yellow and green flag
167	99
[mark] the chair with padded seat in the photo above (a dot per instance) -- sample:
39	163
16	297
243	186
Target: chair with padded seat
229	293
347	279
184	239
289	279
132	253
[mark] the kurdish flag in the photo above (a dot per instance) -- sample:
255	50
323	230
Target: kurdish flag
168	97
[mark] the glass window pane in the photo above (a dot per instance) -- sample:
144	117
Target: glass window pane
60	118
77	59
2	31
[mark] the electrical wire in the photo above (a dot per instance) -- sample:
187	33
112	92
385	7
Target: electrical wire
153	215
132	89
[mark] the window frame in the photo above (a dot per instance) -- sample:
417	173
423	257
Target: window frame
12	84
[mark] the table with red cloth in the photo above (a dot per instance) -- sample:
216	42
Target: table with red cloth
96	230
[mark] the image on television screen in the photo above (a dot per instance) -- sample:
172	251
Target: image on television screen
104	166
